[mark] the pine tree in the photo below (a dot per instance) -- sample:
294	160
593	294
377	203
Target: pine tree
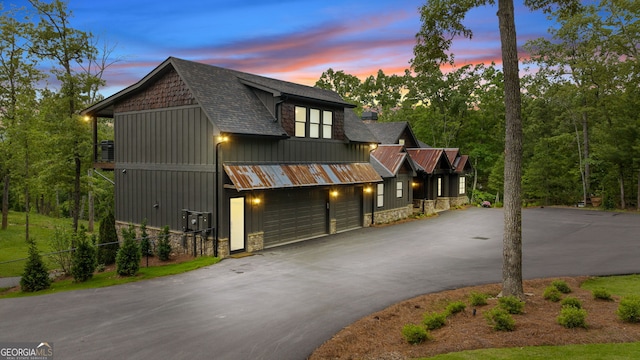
109	236
36	275
164	244
83	263
128	257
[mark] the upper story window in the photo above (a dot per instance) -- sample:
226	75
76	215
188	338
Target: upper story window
313	123
401	141
399	189
301	121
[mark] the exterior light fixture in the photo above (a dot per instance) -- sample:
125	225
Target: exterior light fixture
373	146
334	193
220	139
256	201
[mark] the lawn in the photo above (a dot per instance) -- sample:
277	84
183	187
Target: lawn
13	245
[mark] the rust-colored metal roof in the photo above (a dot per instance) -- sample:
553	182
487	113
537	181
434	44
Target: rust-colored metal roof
428	158
252	177
390	156
463	165
452	154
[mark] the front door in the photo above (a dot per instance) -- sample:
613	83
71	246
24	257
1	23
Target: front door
236	226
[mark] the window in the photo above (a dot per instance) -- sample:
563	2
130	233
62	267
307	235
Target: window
327	124
314	123
380	195
462	185
439	186
399	189
301	121
401	141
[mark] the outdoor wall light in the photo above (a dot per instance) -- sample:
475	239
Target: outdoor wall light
373	147
124	171
334	193
368	190
156	205
256	201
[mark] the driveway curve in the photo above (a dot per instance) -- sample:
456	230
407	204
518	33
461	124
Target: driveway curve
284	302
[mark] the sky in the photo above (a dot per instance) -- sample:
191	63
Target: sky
292	40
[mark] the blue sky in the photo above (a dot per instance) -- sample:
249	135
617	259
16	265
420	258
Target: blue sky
293	40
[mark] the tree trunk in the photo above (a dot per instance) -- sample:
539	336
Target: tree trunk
587	168
638	198
512	239
623	203
5	202
76	193
91	207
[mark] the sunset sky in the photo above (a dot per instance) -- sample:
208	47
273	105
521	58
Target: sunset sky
294	40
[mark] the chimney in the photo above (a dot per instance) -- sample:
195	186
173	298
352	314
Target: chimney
369	117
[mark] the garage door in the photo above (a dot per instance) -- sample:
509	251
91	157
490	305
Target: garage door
349	209
292	215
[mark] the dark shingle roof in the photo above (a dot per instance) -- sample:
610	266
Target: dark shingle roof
357	131
388	133
228	101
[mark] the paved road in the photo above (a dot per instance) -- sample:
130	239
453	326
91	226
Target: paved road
285	302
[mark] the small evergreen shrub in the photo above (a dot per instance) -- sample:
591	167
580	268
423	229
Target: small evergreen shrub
601	294
455	307
83	262
145	243
164	244
500	320
434	320
35	276
629	309
572	317
511	304
478	299
571	301
108	240
128	257
562	286
415	334
552	293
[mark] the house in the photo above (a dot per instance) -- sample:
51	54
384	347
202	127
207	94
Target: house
234	162
394	196
439	181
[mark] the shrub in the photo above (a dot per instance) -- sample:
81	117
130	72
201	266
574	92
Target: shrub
601	294
415	334
83	262
511	304
35	276
571	301
164	244
572	317
62	255
552	293
478	299
629	309
434	320
455	307
128	257
145	243
108	240
500	320
562	286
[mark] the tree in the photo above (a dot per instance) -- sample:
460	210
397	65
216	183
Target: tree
36	275
441	23
83	262
128	257
108	240
164	244
55	40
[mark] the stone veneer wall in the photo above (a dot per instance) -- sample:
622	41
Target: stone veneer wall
459	201
443	203
386	216
255	241
181	244
425	206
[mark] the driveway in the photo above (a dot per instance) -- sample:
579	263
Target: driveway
284	302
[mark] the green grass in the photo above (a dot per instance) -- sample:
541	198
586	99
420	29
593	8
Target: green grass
13	243
111	278
617	285
577	352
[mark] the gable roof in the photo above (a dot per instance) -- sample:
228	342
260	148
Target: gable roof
390	132
226	98
357	131
391	158
430	160
462	164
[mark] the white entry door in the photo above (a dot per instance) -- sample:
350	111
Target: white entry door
236	234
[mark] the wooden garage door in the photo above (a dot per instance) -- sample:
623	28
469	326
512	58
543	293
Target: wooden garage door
349	209
295	214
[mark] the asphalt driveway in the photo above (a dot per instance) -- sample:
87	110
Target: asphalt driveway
284	302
